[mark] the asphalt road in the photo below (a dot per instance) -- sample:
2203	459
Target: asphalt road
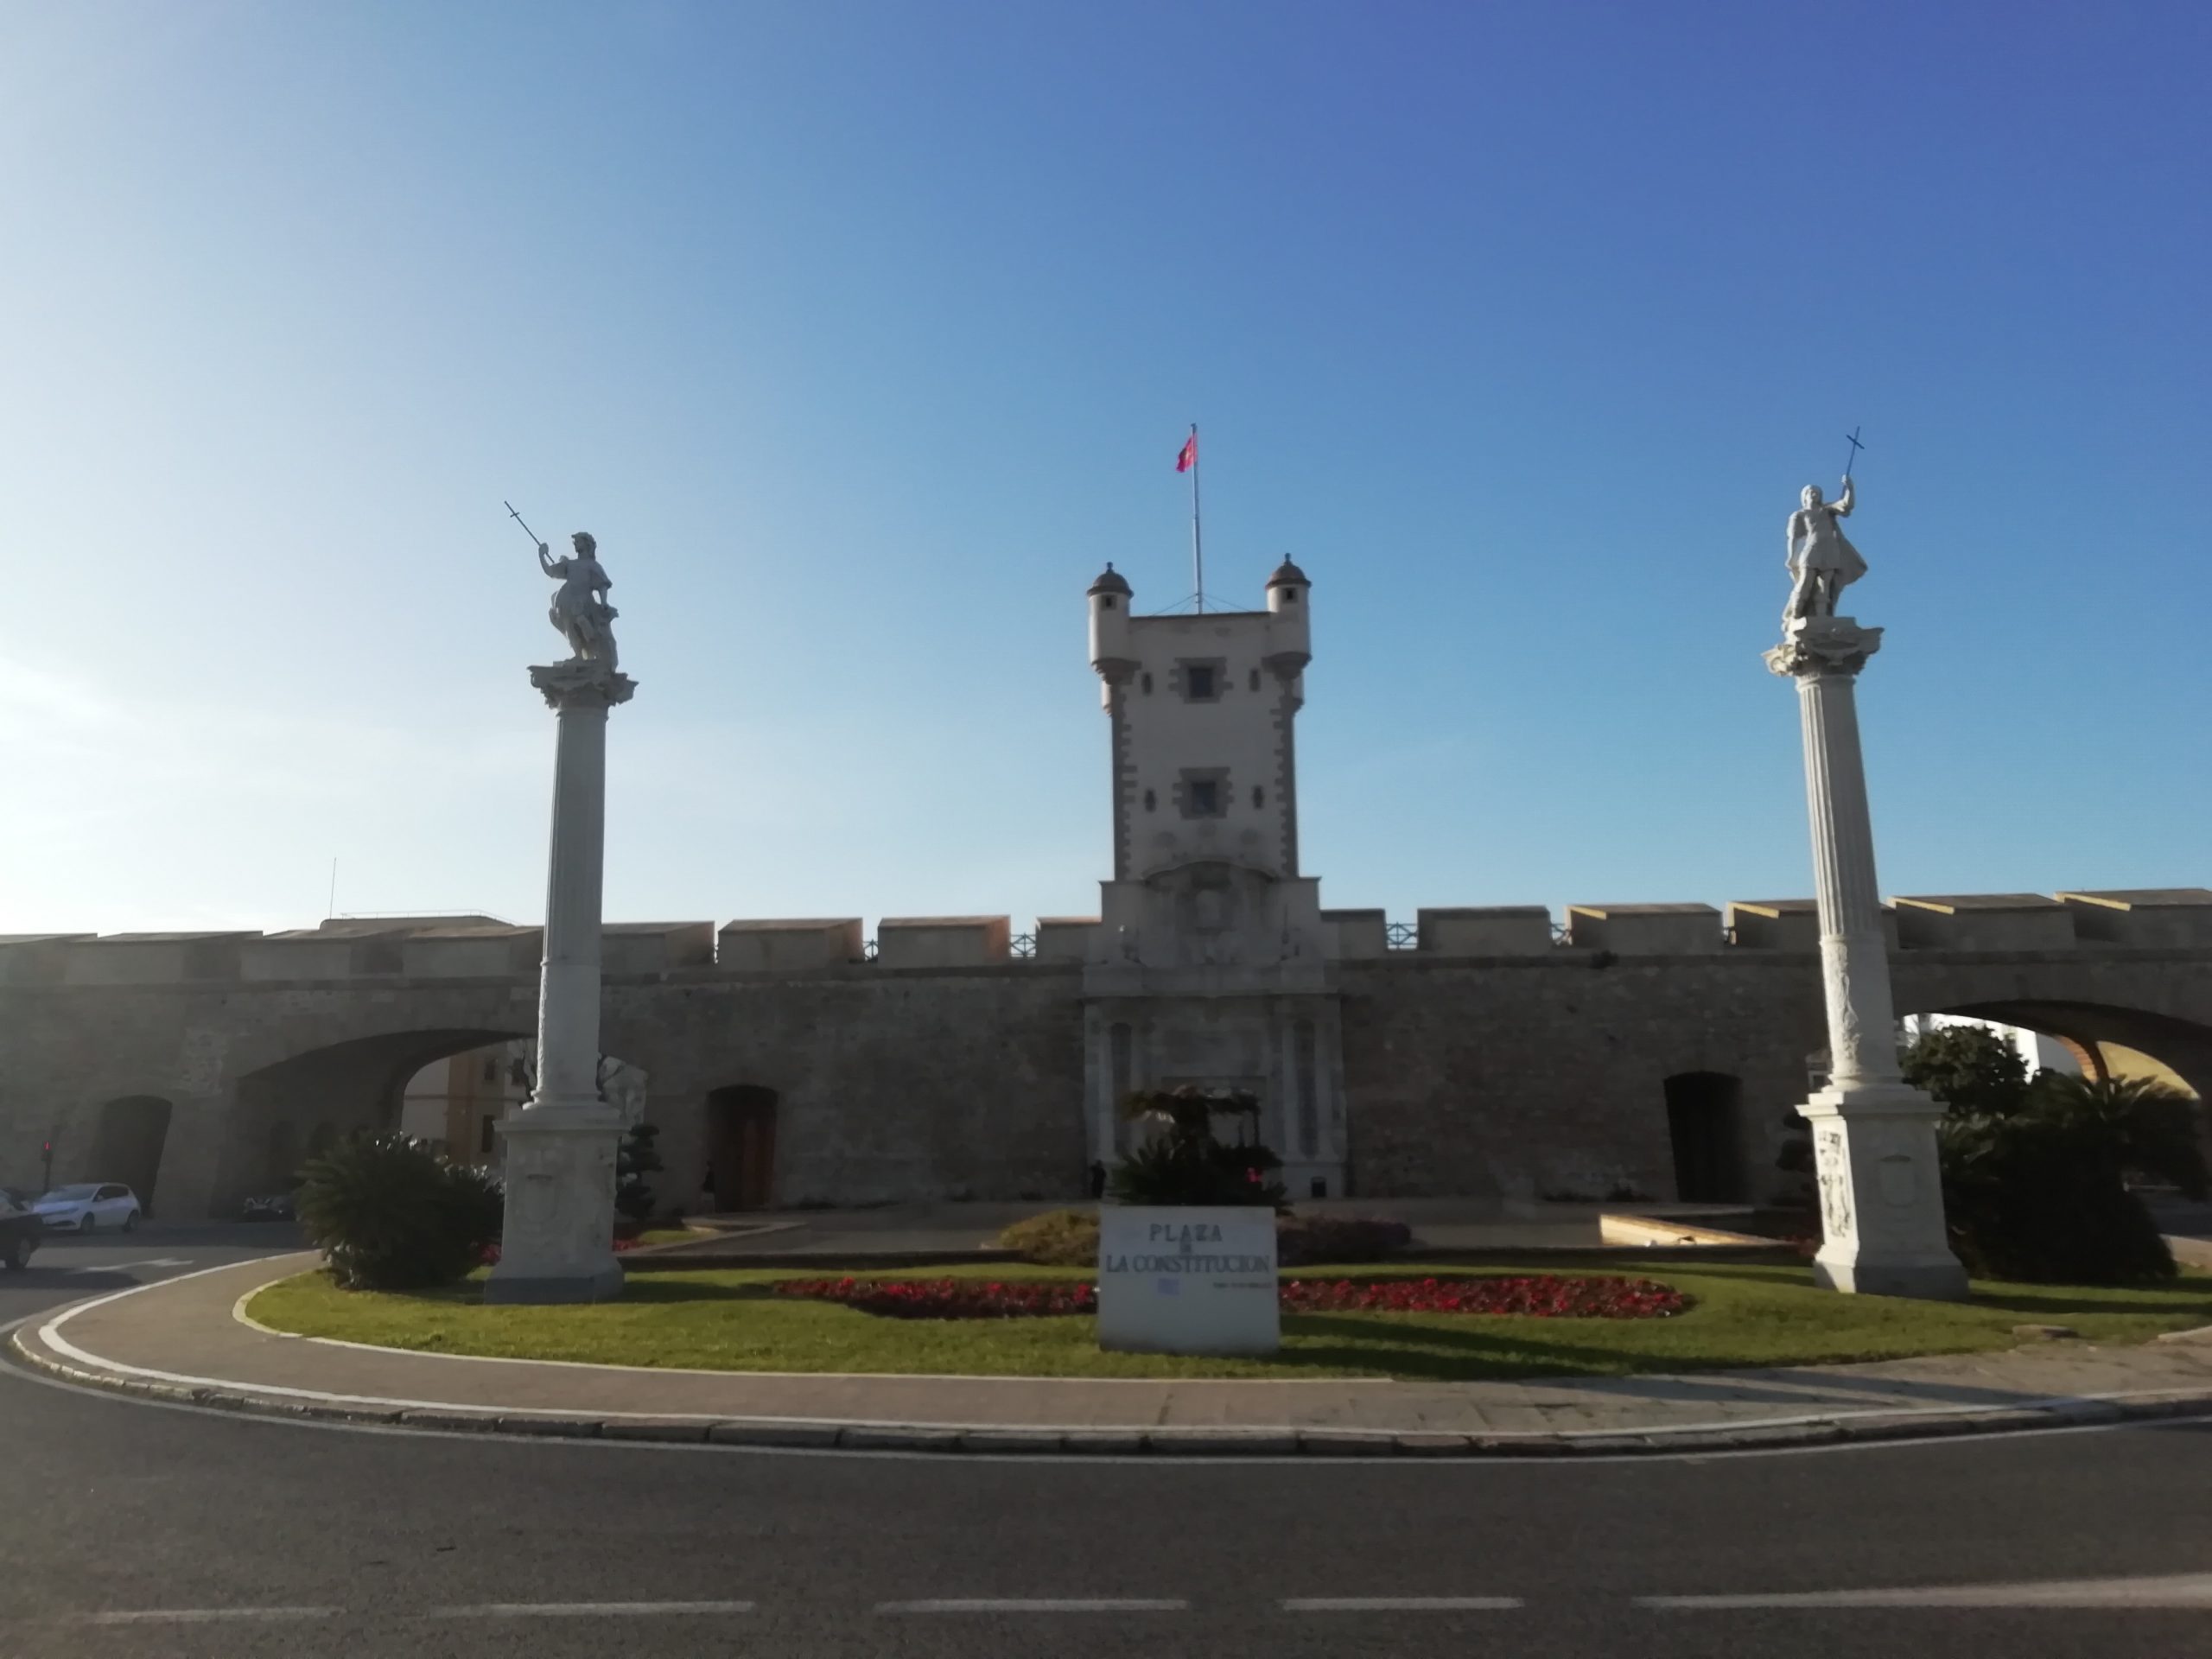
135	1529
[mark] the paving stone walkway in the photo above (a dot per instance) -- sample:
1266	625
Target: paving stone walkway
182	1338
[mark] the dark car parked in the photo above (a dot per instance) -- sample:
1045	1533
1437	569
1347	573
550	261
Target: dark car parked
19	1230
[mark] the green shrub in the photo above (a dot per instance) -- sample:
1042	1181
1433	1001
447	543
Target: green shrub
2041	1193
634	1160
1308	1241
1059	1238
389	1214
1969	1069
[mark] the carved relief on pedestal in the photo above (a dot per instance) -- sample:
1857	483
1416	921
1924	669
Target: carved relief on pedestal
1833	1159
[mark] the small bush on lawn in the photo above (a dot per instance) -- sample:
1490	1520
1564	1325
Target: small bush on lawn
1309	1240
2041	1193
389	1214
1059	1238
634	1160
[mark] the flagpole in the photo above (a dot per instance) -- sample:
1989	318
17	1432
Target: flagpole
1198	543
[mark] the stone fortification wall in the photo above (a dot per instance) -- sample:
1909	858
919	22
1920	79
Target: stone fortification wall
890	1084
1524	1077
1489	1060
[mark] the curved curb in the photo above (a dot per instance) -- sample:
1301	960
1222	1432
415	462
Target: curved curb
786	1433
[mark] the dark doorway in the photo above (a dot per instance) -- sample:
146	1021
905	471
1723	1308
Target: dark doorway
1705	1122
127	1147
742	1146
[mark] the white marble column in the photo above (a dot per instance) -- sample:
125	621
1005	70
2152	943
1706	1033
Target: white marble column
1874	1133
558	1243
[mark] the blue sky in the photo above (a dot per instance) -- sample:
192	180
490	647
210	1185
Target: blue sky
864	333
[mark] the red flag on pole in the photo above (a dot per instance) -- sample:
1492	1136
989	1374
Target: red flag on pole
1189	457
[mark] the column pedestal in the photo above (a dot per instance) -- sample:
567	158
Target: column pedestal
1881	1193
557	1241
1874	1133
557	1244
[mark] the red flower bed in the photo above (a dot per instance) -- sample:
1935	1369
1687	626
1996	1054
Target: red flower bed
1540	1296
950	1298
1543	1296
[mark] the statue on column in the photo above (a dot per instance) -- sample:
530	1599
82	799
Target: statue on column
1822	562
581	614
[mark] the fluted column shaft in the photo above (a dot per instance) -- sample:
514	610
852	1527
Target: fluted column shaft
1874	1144
1854	955
557	1244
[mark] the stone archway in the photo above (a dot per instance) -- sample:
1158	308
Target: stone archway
128	1143
741	1146
311	1100
2094	1031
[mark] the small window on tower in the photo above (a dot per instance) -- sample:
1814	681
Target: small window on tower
1147	685
1206	798
1202	681
1255	680
1290	595
1259	796
1151	800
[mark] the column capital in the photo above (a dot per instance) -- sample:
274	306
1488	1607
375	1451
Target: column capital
581	682
1814	646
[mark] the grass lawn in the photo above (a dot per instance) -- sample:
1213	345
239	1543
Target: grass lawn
1745	1315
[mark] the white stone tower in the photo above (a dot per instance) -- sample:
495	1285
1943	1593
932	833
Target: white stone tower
1207	966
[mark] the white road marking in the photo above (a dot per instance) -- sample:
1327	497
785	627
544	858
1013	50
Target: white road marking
202	1615
2183	1590
588	1609
120	1266
1064	1605
1399	1603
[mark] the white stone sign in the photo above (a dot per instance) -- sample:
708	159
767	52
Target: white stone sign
1186	1280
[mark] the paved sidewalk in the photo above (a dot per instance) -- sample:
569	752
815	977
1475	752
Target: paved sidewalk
180	1339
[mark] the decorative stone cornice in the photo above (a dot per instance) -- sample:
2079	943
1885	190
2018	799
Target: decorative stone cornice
1823	644
581	682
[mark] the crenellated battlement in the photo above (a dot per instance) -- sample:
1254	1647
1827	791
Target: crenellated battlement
480	947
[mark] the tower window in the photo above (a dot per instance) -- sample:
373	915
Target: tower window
1147	685
1105	601
1255	680
1203	681
1151	800
1290	595
1259	796
1203	793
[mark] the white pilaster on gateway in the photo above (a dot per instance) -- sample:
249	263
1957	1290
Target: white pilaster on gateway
1874	1133
557	1245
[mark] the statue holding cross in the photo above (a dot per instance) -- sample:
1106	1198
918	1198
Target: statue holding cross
1822	561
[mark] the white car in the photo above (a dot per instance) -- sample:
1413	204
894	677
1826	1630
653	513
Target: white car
88	1207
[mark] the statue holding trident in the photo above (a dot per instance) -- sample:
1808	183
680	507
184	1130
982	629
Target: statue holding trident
1822	563
581	614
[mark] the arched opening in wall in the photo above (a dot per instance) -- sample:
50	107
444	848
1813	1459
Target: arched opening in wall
2098	1040
127	1145
449	1087
742	1146
1704	1112
298	1108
